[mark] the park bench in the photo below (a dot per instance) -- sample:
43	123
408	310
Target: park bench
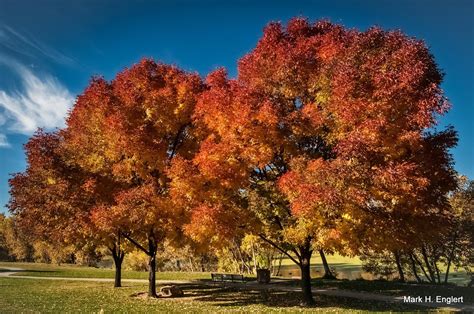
216	277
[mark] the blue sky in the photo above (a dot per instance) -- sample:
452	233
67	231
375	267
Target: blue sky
50	49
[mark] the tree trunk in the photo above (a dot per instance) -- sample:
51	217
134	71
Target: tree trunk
421	267
280	259
118	275
152	248
202	263
401	275
254	260
304	256
413	267
118	259
306	278
327	271
447	272
151	252
117	255
427	263
450	258
178	265
152	276
435	266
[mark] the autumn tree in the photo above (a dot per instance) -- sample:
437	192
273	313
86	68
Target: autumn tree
14	244
441	237
4	251
130	130
451	245
43	198
316	111
409	221
459	242
52	200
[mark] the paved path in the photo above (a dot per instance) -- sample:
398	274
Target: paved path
254	285
11	272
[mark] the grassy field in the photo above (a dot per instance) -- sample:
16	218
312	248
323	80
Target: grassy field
49	270
33	295
29	295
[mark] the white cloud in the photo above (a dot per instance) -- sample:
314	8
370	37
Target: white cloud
42	102
26	45
3	141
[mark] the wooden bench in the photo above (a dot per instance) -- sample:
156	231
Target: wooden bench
227	277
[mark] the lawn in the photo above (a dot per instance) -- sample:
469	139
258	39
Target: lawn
50	270
72	296
30	295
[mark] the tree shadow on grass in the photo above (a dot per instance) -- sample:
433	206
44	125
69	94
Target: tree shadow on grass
397	288
225	296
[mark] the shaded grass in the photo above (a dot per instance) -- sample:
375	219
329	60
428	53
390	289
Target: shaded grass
402	289
29	295
394	288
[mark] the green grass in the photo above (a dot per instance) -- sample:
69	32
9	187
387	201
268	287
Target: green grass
30	295
75	271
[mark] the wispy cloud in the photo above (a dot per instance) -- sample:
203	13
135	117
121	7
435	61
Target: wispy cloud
41	102
3	141
26	45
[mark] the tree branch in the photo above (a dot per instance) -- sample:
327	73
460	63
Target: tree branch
176	141
296	253
112	249
126	236
279	249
